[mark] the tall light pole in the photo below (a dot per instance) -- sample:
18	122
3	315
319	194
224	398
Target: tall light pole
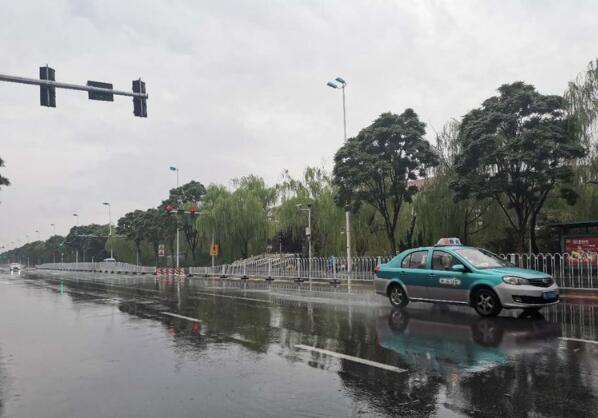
341	84
76	249
109	225
177	221
53	235
308	233
38	236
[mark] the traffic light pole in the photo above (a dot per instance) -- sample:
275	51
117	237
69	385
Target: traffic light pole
59	85
96	90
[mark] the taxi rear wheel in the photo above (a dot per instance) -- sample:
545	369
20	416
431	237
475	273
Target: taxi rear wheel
486	302
397	296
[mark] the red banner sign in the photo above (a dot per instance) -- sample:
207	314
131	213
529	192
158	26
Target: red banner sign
582	249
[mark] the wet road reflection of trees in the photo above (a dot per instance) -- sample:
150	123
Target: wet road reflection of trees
456	361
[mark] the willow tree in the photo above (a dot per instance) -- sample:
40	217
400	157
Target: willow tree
313	188
582	101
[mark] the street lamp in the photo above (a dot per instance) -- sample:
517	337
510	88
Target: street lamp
341	84
53	235
307	232
76	249
38	239
109	225
177	223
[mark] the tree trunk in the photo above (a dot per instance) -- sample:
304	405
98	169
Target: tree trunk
532	233
411	230
465	238
390	233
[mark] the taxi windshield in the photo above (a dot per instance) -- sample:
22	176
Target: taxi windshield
481	259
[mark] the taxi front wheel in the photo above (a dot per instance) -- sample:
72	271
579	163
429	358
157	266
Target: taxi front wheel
486	302
397	296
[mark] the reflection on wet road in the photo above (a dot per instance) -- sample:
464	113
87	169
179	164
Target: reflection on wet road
136	346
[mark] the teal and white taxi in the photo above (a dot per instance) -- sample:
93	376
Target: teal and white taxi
452	273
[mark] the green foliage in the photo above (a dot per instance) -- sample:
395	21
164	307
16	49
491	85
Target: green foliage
3	180
89	240
187	196
519	160
582	101
516	149
375	166
131	226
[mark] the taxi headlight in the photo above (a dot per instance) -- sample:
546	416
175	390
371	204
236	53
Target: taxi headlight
514	280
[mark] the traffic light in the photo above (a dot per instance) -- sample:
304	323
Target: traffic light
47	94
139	103
193	211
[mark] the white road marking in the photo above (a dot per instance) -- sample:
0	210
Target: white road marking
180	316
579	340
351	358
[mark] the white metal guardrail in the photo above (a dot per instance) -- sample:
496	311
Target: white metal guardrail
102	267
570	271
330	268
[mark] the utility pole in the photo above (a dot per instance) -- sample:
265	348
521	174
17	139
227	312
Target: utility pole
177	220
76	249
53	235
308	233
212	252
341	85
109	226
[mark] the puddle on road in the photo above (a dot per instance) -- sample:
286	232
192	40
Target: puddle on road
239	357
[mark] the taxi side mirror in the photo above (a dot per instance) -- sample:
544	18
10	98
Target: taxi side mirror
459	268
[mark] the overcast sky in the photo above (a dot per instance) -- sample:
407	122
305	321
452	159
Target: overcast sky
239	88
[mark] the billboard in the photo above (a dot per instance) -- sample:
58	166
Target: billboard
581	249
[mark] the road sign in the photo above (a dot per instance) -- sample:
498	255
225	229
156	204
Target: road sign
214	250
96	95
161	250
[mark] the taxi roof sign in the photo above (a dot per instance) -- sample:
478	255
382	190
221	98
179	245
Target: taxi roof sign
448	241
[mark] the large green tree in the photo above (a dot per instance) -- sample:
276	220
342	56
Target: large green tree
517	148
152	230
187	196
375	166
131	226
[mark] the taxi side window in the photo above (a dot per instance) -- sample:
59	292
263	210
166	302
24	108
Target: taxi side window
443	261
415	260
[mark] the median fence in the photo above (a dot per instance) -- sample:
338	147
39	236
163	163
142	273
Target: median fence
570	271
100	267
331	268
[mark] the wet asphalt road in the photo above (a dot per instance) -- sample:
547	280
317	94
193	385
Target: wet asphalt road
137	347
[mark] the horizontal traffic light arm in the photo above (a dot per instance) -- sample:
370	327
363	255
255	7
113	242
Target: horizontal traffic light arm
59	85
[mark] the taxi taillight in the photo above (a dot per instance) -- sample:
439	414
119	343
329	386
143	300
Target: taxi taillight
377	269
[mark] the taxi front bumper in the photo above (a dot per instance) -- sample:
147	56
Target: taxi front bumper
525	296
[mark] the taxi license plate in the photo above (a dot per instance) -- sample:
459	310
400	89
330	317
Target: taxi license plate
549	295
